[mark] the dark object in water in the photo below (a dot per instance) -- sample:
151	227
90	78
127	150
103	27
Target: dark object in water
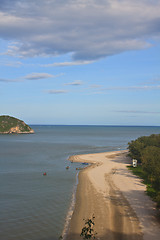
44	174
67	167
85	163
79	168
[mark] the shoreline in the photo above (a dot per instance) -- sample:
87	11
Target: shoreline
117	199
70	210
16	133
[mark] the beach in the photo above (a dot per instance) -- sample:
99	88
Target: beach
117	199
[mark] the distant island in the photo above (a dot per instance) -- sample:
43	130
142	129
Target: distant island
9	125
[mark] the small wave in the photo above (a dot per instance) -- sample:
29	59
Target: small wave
70	211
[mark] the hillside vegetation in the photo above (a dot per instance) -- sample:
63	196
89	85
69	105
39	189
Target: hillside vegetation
10	125
147	151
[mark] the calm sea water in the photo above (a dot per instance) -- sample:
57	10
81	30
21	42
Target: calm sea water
33	206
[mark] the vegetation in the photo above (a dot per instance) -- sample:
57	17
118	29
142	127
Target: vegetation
138	171
147	151
88	231
13	125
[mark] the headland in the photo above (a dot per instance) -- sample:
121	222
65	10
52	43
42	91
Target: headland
10	125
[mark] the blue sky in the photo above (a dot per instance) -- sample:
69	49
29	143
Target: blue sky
80	62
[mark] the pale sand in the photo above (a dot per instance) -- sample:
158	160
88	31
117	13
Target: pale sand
117	199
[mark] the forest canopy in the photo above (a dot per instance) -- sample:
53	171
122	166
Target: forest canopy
147	151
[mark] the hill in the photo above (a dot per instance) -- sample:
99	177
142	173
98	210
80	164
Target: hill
10	125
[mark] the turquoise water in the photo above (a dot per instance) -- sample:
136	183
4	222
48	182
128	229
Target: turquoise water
33	206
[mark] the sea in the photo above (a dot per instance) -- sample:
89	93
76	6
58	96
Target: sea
38	207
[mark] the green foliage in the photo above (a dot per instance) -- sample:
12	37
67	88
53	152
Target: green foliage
88	230
147	151
7	122
138	171
135	149
151	192
151	165
158	199
137	146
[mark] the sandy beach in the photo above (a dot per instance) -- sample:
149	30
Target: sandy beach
117	199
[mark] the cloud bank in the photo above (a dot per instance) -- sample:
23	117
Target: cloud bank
88	30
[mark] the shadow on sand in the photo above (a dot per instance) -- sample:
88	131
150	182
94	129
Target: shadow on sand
110	235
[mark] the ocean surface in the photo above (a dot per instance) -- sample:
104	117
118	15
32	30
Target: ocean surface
37	207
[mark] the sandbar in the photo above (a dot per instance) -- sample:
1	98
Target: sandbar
117	199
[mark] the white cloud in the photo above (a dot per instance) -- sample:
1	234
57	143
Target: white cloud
67	64
139	112
11	64
127	88
95	86
38	76
153	81
31	76
89	30
145	87
9	80
75	83
57	91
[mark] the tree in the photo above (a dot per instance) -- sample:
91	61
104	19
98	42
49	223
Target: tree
135	149
151	165
88	231
146	150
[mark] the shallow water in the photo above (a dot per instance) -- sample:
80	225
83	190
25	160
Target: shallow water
33	206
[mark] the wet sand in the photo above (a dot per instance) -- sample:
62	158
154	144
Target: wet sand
116	198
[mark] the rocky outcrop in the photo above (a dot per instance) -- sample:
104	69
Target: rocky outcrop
18	130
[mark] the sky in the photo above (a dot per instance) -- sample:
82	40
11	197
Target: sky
80	62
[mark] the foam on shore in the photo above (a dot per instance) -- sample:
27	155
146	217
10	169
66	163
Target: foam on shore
70	211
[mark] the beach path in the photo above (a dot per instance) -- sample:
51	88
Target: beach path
116	198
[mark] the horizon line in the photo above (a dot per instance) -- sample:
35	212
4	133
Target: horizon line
90	125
